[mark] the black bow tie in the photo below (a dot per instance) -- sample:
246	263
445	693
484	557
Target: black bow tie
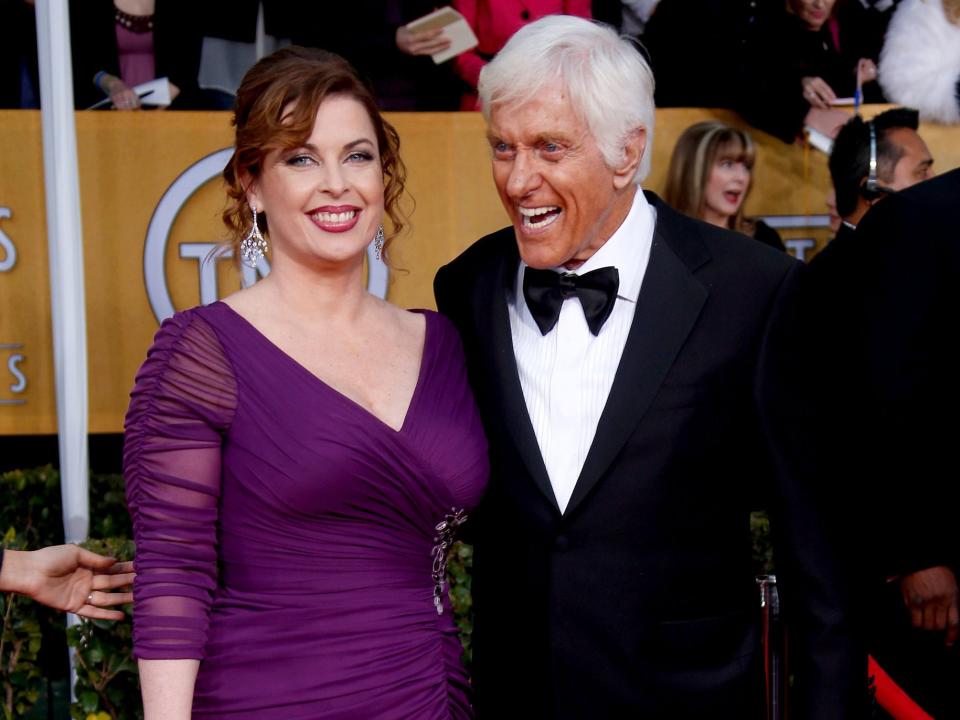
545	291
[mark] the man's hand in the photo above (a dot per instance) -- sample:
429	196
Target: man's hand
931	597
67	577
827	121
427	42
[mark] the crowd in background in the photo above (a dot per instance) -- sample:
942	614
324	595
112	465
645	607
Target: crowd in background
783	64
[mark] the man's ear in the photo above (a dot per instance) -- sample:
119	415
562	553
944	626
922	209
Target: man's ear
634	146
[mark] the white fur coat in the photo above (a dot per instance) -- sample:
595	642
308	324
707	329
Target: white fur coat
920	61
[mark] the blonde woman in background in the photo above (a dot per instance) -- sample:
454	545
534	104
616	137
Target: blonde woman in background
710	176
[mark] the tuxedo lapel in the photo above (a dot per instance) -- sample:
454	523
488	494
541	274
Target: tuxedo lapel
669	303
493	321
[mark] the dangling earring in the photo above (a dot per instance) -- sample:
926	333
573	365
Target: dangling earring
253	247
378	243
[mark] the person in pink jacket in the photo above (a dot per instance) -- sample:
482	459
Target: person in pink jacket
494	22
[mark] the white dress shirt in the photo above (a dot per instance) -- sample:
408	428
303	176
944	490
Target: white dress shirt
566	374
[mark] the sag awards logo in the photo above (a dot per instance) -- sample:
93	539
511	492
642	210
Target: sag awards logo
202	253
14	382
798	246
8	251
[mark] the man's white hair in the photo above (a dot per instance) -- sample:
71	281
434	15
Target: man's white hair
608	83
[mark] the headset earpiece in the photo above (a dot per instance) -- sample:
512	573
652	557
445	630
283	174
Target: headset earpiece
872	189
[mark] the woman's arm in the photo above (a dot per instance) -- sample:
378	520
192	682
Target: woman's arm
167	688
180	409
121	95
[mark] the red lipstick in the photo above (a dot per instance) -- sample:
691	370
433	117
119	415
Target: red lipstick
335	218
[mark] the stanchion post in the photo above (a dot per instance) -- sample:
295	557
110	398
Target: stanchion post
774	649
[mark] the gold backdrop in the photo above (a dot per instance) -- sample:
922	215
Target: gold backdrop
130	161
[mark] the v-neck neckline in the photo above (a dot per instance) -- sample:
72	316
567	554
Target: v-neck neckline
421	372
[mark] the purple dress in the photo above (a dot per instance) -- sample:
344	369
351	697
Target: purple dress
287	537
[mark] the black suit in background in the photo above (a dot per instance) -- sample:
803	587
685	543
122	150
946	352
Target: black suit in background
639	600
911	273
364	32
607	11
698	49
862	29
830	328
237	19
889	401
18	55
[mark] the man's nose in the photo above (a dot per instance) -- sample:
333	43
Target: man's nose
524	175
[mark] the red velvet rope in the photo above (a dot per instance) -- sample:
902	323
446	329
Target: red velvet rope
891	696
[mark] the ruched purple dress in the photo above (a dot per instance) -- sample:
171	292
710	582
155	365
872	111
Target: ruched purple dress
288	538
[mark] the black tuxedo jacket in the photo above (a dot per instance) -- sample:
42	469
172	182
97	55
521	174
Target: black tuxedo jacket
639	600
912	346
886	305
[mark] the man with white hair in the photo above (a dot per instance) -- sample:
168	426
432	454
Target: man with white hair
622	357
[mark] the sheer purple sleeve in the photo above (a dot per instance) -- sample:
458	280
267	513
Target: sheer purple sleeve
181	405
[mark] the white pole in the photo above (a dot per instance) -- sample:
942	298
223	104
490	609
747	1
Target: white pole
65	240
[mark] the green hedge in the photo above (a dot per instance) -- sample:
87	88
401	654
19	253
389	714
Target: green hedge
30	517
107	679
34	640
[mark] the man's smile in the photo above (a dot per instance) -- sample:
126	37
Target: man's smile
538	217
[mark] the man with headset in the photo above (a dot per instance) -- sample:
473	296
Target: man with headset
870	160
873	158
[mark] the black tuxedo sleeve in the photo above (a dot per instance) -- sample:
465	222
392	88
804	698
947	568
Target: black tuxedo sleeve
443	292
826	657
451	303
